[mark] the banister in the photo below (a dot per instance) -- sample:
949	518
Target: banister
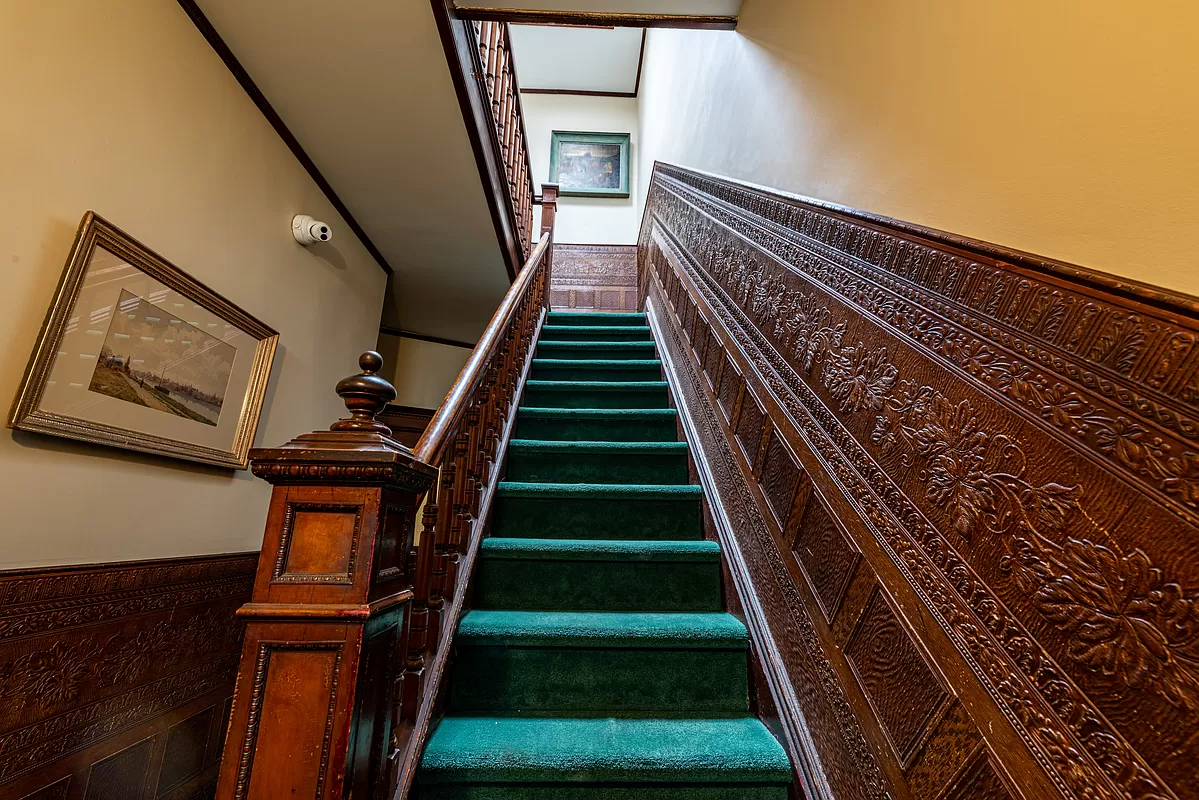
432	444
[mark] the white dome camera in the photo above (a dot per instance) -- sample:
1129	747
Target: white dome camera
310	231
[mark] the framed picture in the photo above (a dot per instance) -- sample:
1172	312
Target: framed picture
134	353
590	164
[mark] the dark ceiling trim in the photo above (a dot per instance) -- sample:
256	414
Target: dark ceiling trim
462	56
423	337
247	84
579	92
597	19
640	62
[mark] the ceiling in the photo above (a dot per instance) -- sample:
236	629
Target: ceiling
577	59
365	89
718	8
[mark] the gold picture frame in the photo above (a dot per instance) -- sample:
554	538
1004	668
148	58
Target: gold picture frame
137	354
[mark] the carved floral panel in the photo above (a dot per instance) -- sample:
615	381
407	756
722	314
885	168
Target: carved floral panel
1020	439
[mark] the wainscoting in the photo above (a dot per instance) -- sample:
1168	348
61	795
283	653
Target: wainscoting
958	490
594	277
116	679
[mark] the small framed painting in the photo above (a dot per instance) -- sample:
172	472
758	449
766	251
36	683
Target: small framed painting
137	354
590	164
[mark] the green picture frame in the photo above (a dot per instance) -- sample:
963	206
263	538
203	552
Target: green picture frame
589	164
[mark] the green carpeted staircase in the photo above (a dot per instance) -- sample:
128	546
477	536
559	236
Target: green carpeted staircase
597	663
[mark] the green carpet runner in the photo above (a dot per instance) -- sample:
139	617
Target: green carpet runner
597	663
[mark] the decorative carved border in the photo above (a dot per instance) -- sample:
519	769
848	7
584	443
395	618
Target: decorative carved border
261	668
731	499
601	270
279	575
693	222
88	653
1094	373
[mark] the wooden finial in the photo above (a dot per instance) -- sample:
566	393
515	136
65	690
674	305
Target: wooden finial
365	395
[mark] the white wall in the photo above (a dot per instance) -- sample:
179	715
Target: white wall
130	113
421	371
1043	125
585	220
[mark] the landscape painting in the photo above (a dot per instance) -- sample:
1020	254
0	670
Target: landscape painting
135	353
590	164
153	359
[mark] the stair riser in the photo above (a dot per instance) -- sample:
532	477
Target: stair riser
586	682
591	372
582	791
557	318
587	518
586	350
630	398
650	586
605	430
580	333
636	468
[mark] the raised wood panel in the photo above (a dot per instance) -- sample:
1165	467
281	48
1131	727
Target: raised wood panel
594	277
291	679
1007	447
902	690
779	476
115	677
827	558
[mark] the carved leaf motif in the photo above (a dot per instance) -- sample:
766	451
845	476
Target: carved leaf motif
1124	621
858	379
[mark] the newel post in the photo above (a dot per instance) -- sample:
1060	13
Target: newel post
312	711
549	207
549	210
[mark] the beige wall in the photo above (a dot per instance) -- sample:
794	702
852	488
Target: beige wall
585	220
1062	128
129	112
421	371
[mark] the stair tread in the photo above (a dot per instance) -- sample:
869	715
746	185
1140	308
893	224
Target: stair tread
598	363
596	345
550	750
685	630
612	448
601	550
595	386
537	412
614	491
550	328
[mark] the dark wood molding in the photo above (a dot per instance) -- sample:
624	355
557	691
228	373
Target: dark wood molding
1167	299
579	92
118	676
462	56
590	19
424	337
640	63
950	476
210	34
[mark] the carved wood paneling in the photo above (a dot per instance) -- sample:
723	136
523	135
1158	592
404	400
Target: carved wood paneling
594	277
1009	443
115	677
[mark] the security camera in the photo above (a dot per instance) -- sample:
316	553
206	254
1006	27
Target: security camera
310	231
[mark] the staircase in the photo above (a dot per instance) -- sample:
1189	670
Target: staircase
596	661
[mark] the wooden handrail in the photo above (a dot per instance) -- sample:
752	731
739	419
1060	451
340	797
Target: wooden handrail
432	444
